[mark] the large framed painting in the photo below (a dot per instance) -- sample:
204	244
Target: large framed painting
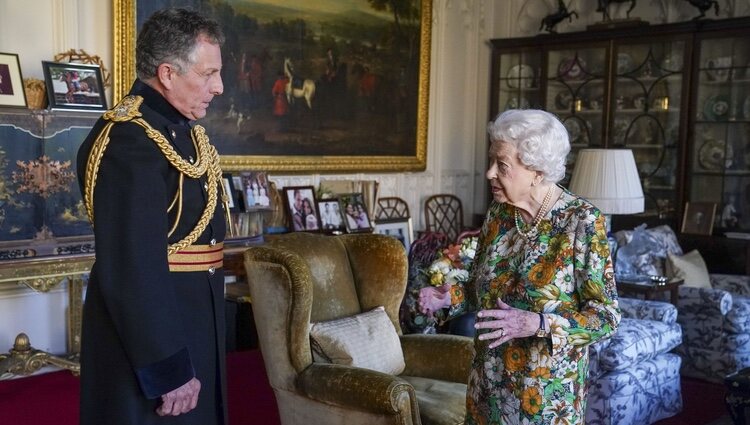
309	85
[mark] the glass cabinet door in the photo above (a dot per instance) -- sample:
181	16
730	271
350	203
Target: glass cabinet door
576	89
646	103
720	151
519	81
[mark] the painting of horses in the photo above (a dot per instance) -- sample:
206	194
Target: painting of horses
74	86
318	85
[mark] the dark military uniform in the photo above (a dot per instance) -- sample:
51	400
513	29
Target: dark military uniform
148	329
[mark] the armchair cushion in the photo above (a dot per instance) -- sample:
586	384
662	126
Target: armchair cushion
639	340
690	268
367	340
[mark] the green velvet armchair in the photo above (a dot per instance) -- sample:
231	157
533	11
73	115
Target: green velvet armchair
300	278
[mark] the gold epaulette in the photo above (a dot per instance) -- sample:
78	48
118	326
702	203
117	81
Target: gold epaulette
126	110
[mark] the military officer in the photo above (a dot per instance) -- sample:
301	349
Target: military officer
153	322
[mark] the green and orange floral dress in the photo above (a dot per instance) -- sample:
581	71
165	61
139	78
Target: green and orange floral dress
562	269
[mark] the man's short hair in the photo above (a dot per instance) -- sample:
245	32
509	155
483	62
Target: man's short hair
170	36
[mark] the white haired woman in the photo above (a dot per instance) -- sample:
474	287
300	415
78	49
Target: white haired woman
542	282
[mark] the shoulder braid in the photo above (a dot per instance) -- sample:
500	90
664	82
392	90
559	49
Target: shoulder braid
207	162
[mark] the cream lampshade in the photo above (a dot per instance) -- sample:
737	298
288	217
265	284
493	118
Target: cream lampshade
609	179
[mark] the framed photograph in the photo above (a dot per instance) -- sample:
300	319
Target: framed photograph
399	229
352	206
331	219
74	86
255	191
363	69
302	208
231	192
11	81
699	218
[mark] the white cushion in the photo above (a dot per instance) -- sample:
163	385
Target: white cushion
367	340
689	267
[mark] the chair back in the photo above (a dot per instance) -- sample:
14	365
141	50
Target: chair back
299	278
444	213
391	208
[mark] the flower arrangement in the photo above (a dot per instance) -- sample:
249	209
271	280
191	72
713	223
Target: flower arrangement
451	270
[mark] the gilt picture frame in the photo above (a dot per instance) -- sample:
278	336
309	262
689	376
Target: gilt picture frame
374	120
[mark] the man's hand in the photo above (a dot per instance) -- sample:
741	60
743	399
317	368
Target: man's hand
180	400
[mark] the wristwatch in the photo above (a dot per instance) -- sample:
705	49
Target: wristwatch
541	332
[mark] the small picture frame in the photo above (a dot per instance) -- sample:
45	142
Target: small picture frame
698	218
399	229
331	219
74	86
12	93
255	191
354	210
228	184
302	208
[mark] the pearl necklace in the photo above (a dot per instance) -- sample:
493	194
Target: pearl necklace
537	218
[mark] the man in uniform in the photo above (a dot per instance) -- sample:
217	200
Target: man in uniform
153	322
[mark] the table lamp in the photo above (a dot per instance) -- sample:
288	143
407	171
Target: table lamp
609	179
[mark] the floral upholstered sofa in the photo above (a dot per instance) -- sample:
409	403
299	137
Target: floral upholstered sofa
715	318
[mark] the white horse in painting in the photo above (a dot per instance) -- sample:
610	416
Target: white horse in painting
308	86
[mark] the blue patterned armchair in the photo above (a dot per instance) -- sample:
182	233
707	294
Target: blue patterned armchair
633	377
715	321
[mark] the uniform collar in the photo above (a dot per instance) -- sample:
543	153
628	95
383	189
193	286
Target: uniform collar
154	100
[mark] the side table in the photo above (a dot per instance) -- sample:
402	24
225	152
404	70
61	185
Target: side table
649	289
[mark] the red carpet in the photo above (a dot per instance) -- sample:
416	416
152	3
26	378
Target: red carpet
703	403
52	398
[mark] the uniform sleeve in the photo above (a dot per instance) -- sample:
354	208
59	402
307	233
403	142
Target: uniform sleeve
593	313
130	226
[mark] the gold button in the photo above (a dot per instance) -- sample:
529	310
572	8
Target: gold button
212	242
211	270
205	187
190	158
174	134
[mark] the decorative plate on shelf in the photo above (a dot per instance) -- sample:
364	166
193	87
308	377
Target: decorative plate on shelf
571	68
517	103
520	76
619	130
564	100
716	108
624	63
574	130
715	155
672	62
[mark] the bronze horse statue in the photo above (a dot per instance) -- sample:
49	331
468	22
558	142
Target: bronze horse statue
554	18
604	6
703	6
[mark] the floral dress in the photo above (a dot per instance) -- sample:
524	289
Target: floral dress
564	270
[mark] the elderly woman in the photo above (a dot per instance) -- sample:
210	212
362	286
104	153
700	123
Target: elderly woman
542	281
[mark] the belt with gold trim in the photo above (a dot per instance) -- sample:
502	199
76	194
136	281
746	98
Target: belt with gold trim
197	258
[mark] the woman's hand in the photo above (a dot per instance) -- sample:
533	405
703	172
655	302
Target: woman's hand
506	323
432	299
